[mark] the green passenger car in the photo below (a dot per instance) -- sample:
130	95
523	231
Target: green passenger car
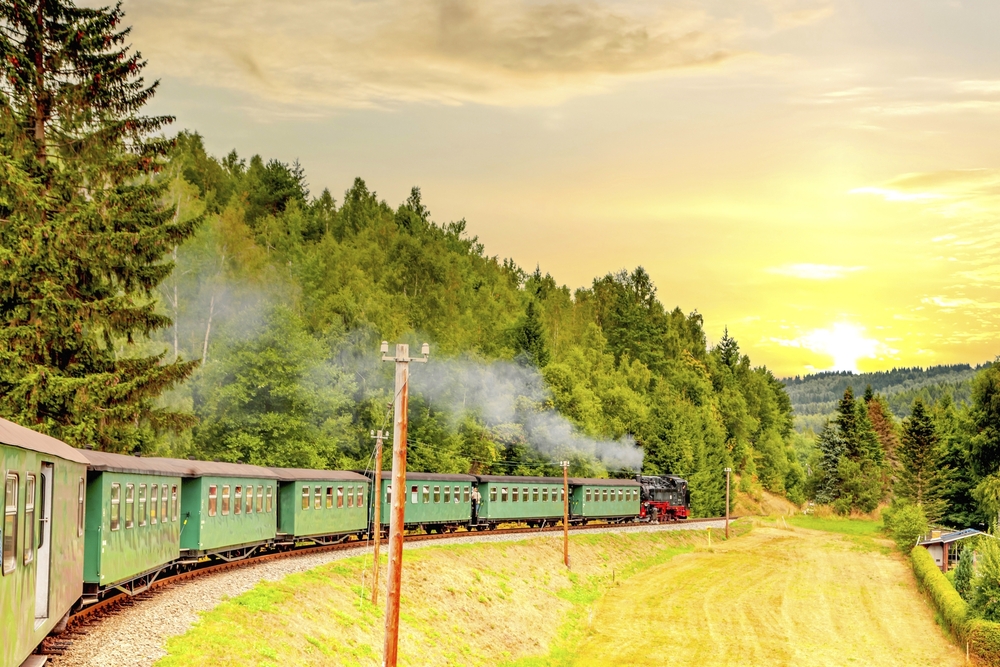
133	523
603	499
321	505
227	509
532	500
434	501
41	537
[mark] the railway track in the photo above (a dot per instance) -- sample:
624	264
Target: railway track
83	619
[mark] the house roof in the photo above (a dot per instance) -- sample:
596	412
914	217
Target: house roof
947	538
19	436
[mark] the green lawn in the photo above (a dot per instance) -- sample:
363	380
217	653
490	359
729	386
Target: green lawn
856	527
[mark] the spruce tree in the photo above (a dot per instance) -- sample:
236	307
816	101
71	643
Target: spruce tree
919	479
84	233
529	338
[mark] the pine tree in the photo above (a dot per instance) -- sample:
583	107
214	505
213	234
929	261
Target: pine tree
919	480
885	429
84	233
529	338
964	573
729	349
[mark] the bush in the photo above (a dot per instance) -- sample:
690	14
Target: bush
986	596
951	607
963	574
905	522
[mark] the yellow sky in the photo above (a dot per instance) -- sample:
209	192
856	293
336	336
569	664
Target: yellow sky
821	176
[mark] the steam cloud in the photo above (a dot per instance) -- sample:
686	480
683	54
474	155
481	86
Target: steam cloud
504	393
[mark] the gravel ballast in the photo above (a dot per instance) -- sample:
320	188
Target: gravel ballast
136	634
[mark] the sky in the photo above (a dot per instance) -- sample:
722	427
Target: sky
822	177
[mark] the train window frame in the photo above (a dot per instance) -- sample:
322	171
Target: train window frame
388	494
437	495
30	484
545	494
175	503
458	494
238	499
415	494
361	495
514	493
426	493
318	497
493	494
586	495
270	499
260	498
213	499
350	496
142	504
154	503
340	497
12	485
620	495
524	496
447	494
225	499
164	503
129	506
466	494
306	501
248	496
562	495
115	514
80	511
534	494
329	498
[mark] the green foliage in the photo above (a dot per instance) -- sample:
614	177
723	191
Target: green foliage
952	609
986	594
964	573
920	468
905	522
84	232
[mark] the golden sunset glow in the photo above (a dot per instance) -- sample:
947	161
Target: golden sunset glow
821	176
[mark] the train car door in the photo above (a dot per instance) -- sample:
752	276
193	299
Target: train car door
43	558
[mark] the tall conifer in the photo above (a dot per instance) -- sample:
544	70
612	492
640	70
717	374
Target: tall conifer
83	233
920	477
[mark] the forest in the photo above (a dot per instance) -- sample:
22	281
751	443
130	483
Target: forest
159	300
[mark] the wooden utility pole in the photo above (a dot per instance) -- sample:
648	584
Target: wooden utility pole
377	509
397	515
565	467
728	470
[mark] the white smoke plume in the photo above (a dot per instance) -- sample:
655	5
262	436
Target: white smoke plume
502	392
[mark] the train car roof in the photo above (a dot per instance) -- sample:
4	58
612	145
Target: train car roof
584	481
305	474
19	436
527	479
108	462
425	476
219	469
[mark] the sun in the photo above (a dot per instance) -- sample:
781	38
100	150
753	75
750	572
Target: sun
846	343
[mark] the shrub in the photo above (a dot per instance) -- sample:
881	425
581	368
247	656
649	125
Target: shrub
951	607
986	597
964	573
905	522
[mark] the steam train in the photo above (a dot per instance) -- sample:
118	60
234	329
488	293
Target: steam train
79	525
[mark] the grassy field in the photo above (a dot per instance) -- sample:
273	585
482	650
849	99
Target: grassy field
784	595
475	604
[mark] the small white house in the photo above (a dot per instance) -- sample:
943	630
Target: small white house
939	545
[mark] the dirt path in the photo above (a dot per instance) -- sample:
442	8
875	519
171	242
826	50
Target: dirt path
791	597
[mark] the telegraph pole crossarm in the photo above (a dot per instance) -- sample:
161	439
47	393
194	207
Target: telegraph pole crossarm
400	404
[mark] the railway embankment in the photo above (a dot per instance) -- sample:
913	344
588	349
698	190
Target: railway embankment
480	603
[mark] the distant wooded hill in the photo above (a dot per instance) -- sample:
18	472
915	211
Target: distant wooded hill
814	397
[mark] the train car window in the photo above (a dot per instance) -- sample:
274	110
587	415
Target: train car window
142	504
513	495
503	494
562	495
493	494
524	496
604	495
414	496
361	496
80	508
249	498
260	498
388	494
458	491
29	518
238	499
437	494
305	497
10	523
318	497
329	497
427	494
350	496
545	494
116	509
269	505
164	503
619	495
175	502
340	497
129	506
447	494
465	494
534	494
586	495
225	500
154	503
213	500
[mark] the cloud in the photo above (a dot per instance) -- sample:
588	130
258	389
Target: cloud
815	271
960	303
346	53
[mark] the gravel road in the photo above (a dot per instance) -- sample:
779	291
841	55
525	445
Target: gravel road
136	635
